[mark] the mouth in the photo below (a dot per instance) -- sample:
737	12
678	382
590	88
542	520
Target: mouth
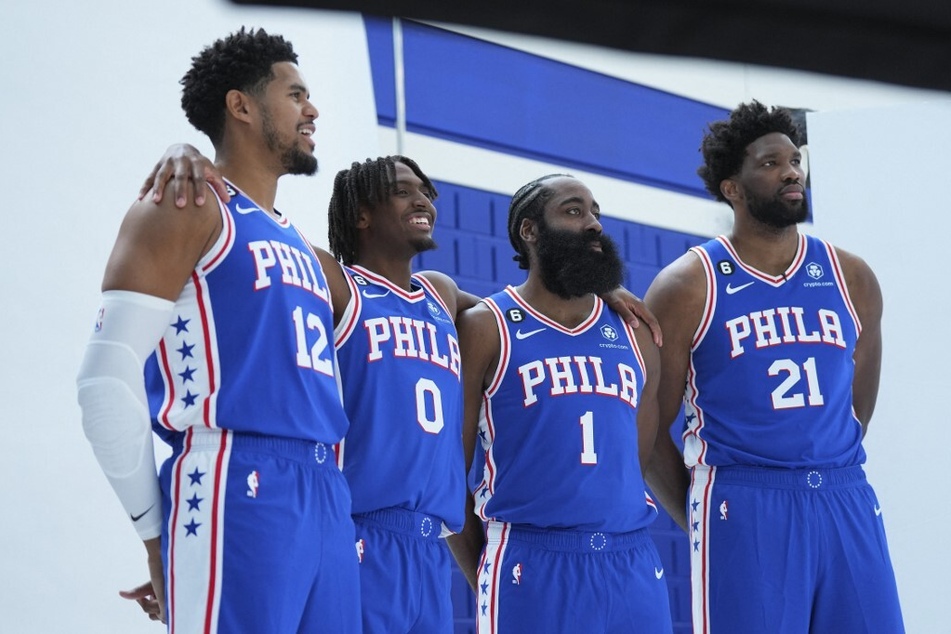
423	221
792	192
307	131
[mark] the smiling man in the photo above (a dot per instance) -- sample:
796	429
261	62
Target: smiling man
773	347
215	332
399	357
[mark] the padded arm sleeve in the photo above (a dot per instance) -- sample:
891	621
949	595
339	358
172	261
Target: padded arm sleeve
111	393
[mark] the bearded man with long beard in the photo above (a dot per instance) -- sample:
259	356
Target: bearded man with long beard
561	395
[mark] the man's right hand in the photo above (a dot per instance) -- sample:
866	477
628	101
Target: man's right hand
151	595
189	172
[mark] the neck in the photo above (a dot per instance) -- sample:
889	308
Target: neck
766	249
259	185
567	312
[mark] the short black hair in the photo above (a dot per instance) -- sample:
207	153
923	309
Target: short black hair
365	184
724	145
528	202
242	61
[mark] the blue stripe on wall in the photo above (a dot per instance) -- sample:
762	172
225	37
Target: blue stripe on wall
486	95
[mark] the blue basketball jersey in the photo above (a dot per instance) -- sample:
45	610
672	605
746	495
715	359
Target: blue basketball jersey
559	422
249	348
770	376
400	371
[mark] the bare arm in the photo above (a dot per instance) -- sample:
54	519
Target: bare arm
479	347
156	250
676	296
159	245
866	296
648	415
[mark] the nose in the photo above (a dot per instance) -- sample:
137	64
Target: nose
793	172
594	224
310	110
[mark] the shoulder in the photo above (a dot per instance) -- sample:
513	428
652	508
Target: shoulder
682	279
336	281
456	299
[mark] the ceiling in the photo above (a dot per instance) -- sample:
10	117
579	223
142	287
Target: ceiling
906	42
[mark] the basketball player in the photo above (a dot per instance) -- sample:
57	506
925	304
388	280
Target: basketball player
400	367
777	338
561	394
216	323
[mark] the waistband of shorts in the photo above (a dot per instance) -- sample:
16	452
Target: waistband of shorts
566	540
403	521
306	452
805	479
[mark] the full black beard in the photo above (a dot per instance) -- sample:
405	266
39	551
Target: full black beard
776	212
570	268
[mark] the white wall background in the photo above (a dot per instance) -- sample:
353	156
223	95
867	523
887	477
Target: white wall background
879	179
91	100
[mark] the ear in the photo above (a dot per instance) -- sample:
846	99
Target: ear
239	105
528	230
730	189
363	218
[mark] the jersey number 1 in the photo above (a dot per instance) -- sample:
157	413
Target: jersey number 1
588	456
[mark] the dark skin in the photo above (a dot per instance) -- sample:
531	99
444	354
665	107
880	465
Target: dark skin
159	243
184	172
390	236
572	208
677	295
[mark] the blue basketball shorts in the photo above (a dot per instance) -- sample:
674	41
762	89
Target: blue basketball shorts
552	580
789	551
405	573
258	537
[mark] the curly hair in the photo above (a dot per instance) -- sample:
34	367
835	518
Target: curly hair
366	184
242	61
528	202
724	145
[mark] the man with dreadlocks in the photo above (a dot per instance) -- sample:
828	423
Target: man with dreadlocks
777	338
561	393
210	326
400	371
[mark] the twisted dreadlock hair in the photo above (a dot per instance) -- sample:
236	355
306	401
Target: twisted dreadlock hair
724	145
242	61
528	202
365	184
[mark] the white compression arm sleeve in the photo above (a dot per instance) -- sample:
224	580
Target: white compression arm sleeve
111	393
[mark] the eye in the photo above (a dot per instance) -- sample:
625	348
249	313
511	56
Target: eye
573	211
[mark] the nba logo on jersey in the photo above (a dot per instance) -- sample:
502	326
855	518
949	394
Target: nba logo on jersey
253	484
517	574
99	316
723	510
360	544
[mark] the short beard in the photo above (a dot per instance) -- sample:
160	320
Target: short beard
775	212
569	267
424	244
293	159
